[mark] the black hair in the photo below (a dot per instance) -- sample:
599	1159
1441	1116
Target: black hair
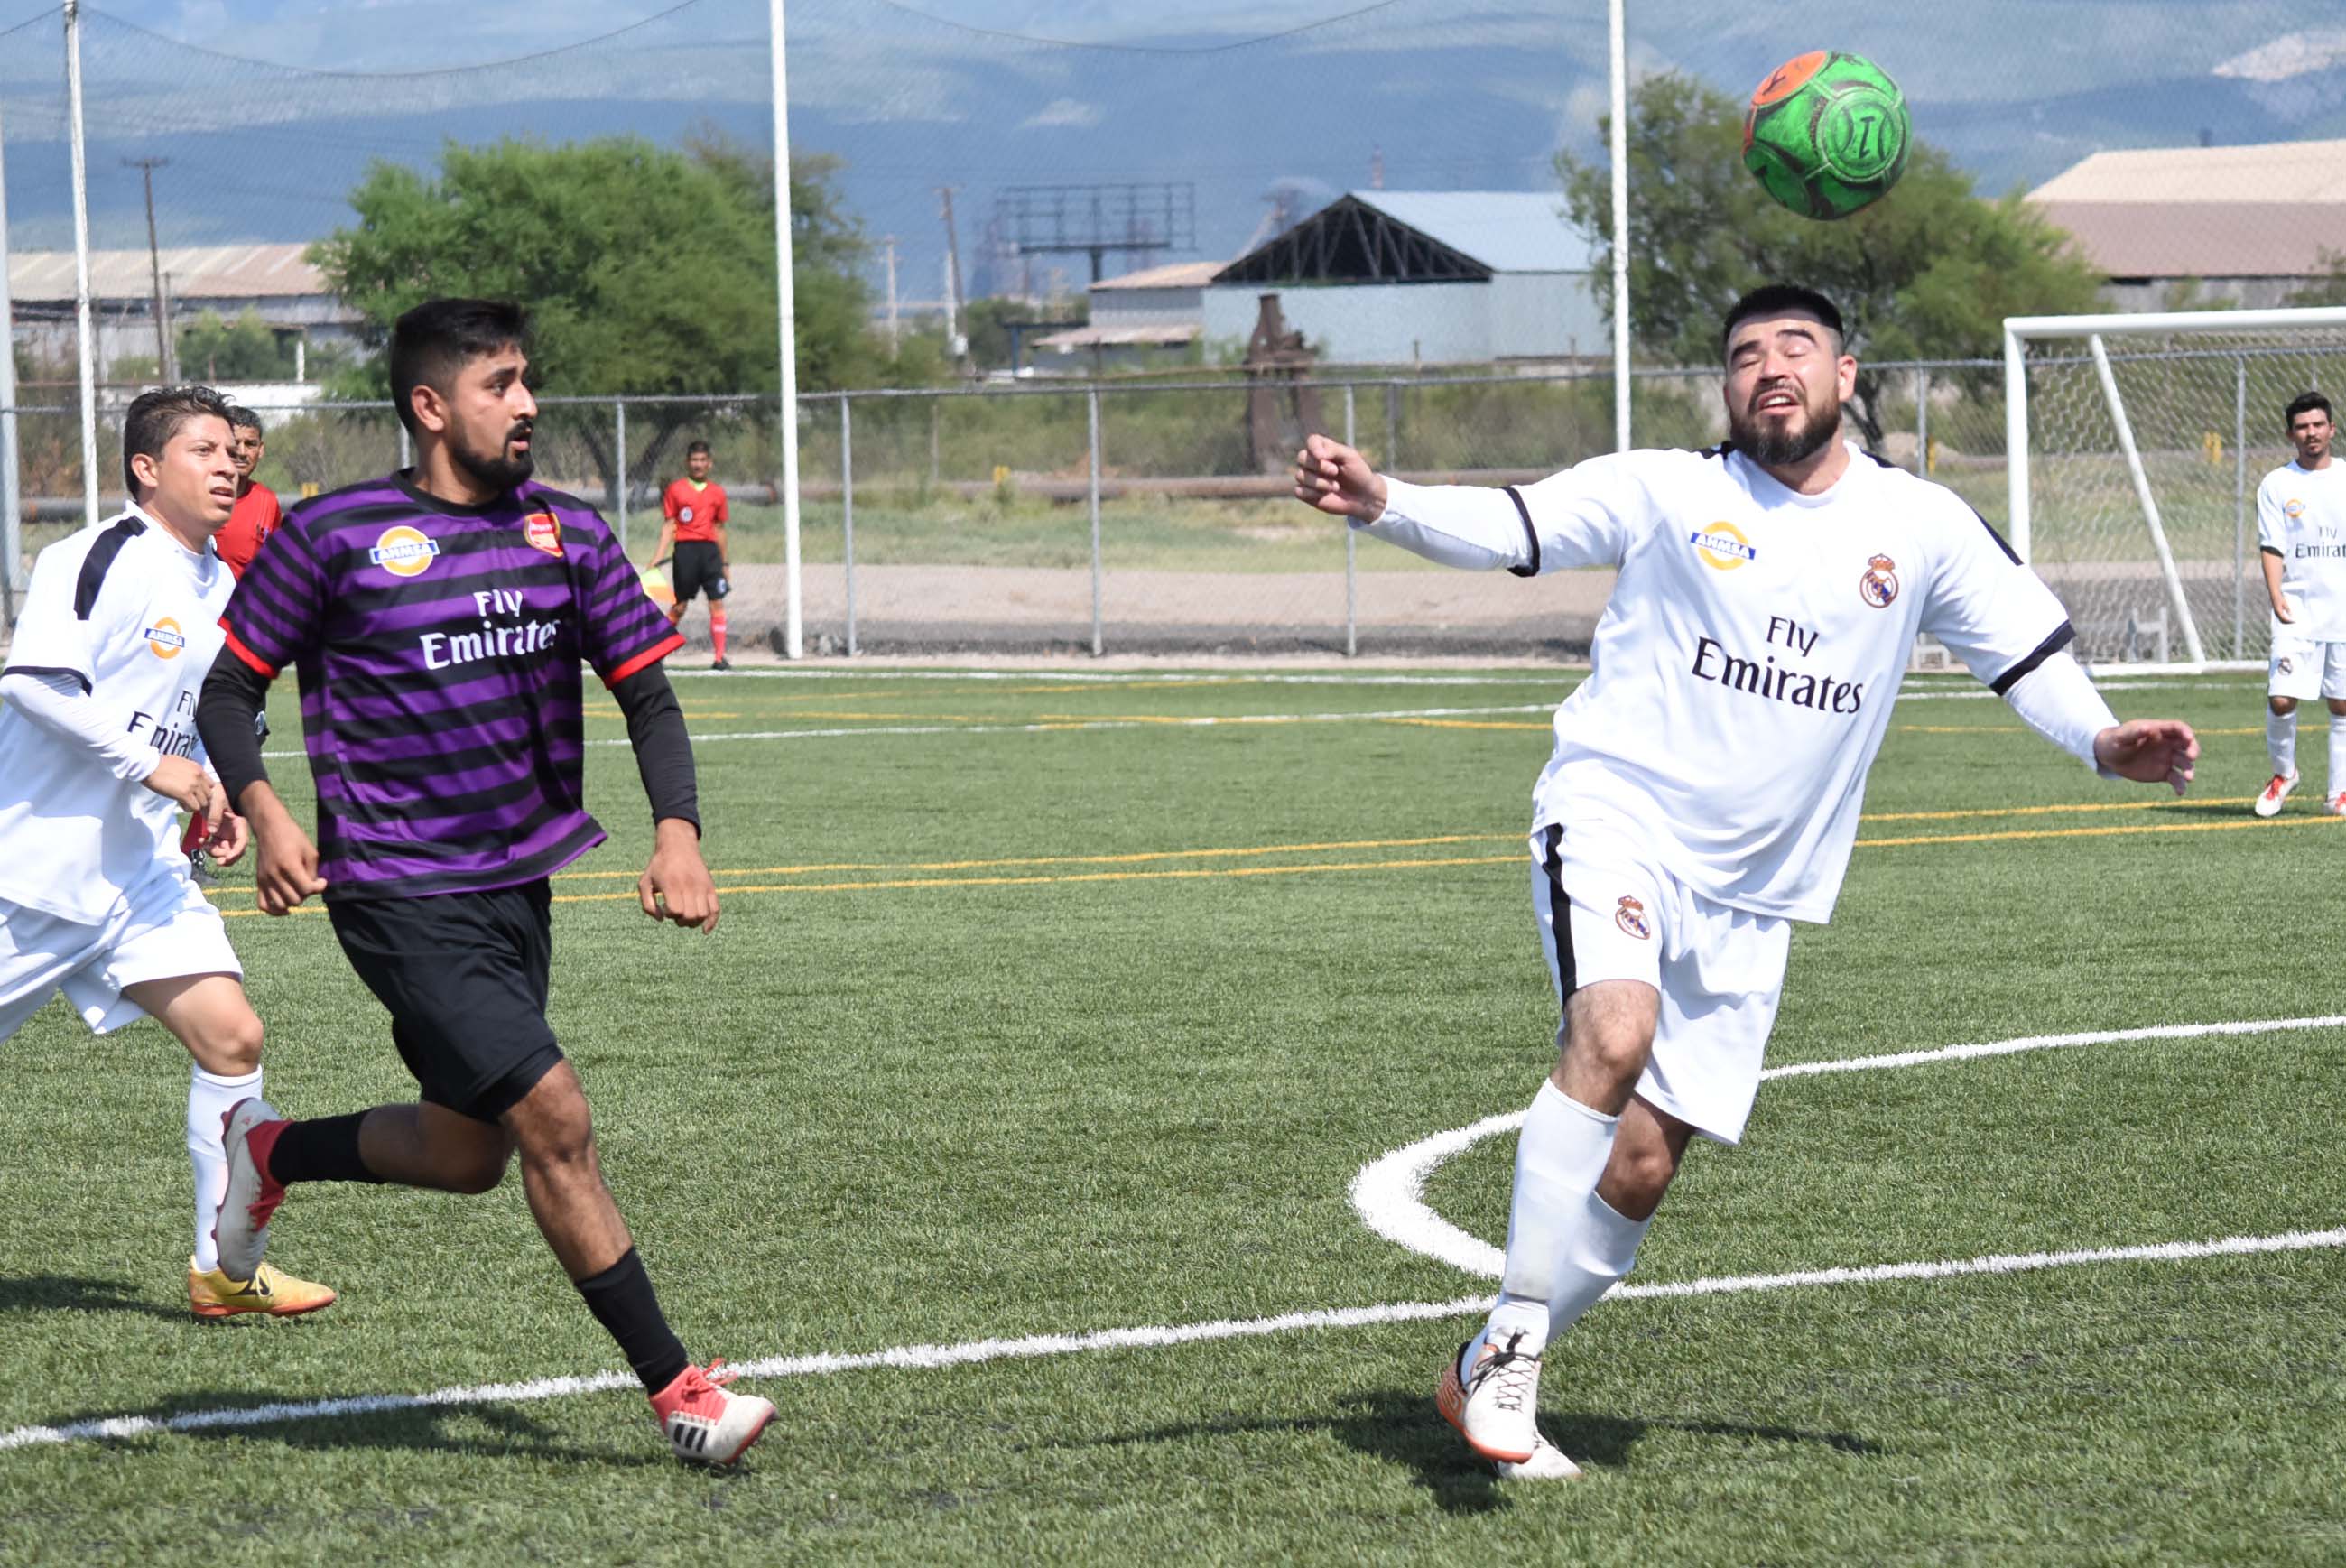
2306	403
1780	299
696	446
242	417
431	344
155	417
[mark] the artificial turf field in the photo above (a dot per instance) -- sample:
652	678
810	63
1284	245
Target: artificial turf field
1042	1006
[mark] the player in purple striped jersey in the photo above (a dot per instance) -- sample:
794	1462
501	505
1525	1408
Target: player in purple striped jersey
438	617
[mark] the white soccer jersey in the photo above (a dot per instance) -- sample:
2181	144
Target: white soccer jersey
133	616
2302	518
1748	660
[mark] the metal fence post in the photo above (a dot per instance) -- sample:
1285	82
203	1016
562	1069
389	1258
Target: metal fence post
2240	508
1391	457
936	425
619	440
1351	568
846	506
1091	403
406	452
1922	423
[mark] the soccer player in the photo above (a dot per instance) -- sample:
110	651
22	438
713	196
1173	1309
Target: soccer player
2301	541
1707	778
257	514
693	515
98	753
438	617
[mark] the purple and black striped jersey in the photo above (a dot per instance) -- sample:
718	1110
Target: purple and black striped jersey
438	647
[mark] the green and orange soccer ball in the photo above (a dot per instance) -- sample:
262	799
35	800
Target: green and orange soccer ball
1827	133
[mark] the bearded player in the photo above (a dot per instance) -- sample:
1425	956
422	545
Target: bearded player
693	515
97	754
1705	788
439	617
2301	542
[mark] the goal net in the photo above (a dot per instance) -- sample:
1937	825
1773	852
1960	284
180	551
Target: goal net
2135	443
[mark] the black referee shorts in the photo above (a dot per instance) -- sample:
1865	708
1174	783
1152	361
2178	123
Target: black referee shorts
699	568
463	976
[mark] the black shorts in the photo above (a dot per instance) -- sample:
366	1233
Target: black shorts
699	568
464	978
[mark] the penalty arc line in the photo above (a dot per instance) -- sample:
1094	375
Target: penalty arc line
1388	1193
973	1352
977	1351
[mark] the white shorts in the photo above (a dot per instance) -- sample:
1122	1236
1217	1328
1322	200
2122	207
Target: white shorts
1720	971
164	930
2304	668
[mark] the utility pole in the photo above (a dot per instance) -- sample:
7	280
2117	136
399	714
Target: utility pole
163	366
890	241
955	344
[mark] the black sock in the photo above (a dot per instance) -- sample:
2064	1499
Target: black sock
622	1301
323	1149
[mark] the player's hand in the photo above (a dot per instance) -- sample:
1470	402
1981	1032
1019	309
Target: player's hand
229	836
675	885
181	779
1337	480
2149	751
2284	611
285	871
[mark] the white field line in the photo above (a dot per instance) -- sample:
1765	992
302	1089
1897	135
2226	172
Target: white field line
970	1352
1386	1192
1389	1194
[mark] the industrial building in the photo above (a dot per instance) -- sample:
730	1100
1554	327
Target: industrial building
272	281
2206	226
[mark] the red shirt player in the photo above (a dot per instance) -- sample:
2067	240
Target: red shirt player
693	515
257	513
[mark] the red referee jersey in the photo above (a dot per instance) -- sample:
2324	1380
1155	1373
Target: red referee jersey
248	528
696	510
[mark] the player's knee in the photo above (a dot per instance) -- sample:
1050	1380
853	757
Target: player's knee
2283	707
235	1047
2337	708
1637	1178
478	1172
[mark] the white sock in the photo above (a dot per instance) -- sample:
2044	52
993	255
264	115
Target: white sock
2281	740
208	1100
1601	1253
1559	1158
2337	754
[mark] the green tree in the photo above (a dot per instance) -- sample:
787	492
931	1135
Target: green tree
2328	286
647	270
987	324
1928	272
215	350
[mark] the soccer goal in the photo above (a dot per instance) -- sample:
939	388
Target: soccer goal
2134	447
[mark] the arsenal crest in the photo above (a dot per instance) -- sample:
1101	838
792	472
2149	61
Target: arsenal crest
1631	918
1878	587
544	532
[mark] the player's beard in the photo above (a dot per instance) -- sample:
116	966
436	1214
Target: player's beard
493	470
1778	447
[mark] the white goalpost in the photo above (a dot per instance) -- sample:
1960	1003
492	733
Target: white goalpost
2134	447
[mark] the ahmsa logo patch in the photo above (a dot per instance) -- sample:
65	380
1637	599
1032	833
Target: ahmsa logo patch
1722	546
544	532
403	552
164	640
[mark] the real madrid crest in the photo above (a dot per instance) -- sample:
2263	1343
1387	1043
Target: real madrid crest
1630	916
1878	587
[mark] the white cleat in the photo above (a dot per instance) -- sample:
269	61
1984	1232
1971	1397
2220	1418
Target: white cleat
2268	803
1547	1463
1492	1405
241	1228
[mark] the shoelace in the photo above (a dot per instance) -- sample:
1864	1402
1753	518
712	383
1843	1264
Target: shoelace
717	1378
1515	1372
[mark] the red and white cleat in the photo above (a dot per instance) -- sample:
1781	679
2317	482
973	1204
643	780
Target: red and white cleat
2336	805
2268	803
241	1230
704	1424
1492	1404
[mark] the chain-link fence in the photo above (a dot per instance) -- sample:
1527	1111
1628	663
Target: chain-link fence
1139	517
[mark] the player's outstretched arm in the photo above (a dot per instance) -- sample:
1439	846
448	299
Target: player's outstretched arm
1337	480
675	885
2149	751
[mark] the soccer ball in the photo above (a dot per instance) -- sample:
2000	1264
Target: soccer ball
1826	134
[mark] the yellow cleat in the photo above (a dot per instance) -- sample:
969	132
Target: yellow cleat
214	1295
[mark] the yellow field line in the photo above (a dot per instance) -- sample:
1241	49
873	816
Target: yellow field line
1137	858
1468	724
2024	729
2048	810
2233	825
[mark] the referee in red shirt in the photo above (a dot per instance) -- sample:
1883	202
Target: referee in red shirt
693	515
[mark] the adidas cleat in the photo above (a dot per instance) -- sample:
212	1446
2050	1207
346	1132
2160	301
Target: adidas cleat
214	1295
705	1422
241	1230
2275	792
1492	1406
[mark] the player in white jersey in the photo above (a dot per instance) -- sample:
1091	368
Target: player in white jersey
1707	777
2301	537
98	751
